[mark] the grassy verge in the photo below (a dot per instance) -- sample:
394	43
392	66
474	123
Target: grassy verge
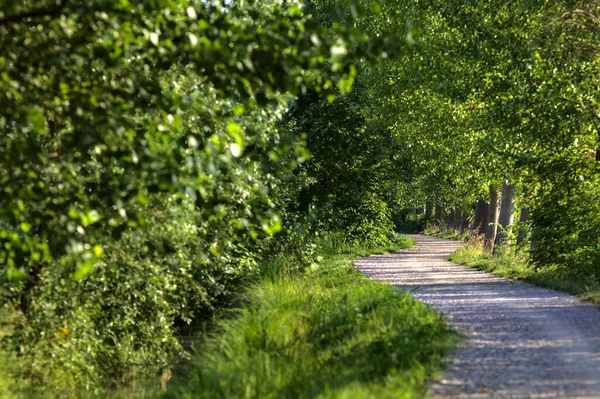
325	333
514	265
448	233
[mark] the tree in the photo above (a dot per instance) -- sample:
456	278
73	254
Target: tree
507	213
138	142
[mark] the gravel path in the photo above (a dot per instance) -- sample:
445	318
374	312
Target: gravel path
523	341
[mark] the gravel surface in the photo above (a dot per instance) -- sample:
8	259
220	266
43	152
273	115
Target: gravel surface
523	341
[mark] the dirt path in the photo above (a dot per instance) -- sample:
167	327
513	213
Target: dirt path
523	341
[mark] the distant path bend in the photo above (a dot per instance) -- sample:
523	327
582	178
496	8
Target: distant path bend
523	341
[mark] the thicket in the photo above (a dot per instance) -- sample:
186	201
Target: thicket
140	151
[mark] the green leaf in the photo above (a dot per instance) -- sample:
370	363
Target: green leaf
84	269
235	131
25	227
97	251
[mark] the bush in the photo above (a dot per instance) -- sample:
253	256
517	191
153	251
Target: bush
566	229
363	219
136	170
119	324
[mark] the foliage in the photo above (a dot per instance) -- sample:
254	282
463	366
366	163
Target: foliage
139	149
155	154
328	333
567	230
85	108
340	190
8	369
408	221
488	93
158	278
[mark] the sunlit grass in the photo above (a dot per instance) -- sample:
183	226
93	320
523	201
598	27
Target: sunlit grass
327	333
513	264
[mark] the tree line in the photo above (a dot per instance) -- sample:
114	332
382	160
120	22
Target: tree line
154	153
491	113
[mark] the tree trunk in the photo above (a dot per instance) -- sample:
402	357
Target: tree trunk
480	217
465	223
428	208
507	213
522	219
490	230
438	215
449	220
457	219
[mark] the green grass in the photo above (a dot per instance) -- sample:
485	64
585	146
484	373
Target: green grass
514	265
325	333
448	233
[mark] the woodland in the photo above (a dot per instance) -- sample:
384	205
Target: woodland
166	163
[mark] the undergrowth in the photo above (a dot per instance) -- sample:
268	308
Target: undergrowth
514	263
325	333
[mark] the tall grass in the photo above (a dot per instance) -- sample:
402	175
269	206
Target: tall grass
14	384
512	262
326	333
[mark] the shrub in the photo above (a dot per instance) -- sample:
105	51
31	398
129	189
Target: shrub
119	324
566	229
